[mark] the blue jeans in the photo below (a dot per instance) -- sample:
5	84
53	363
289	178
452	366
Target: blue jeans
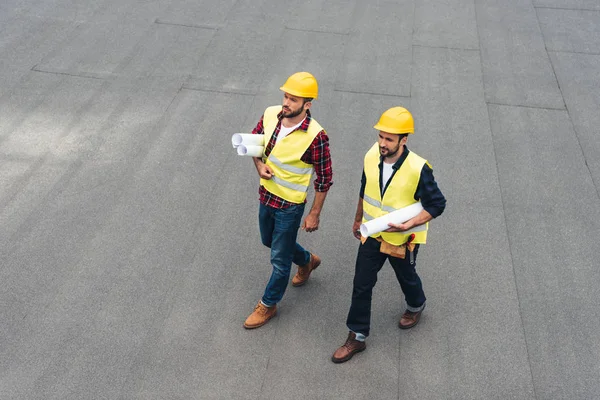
278	231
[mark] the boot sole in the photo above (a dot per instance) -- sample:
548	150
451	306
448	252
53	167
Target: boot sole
258	326
407	326
348	357
303	282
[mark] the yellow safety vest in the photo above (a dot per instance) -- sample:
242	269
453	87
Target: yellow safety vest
399	193
291	176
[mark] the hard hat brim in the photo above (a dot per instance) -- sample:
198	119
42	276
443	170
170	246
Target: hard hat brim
383	128
298	94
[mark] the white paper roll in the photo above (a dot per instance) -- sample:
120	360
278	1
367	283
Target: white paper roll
395	217
247	139
249	150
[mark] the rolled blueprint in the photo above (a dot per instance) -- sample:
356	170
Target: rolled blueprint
247	139
250	150
395	217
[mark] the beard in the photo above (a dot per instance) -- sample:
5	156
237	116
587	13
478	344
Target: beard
390	152
292	113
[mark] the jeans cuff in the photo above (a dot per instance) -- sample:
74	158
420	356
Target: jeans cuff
415	309
266	305
359	336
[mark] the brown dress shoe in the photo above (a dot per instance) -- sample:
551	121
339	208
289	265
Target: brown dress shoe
304	271
409	319
260	316
349	349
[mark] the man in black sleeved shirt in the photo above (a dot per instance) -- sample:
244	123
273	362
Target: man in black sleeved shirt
393	178
428	193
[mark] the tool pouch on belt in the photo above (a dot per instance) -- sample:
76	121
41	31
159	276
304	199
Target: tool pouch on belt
390	249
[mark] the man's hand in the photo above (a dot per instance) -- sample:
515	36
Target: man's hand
400	227
311	223
420	219
356	229
264	171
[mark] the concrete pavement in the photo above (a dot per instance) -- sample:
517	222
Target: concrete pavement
129	248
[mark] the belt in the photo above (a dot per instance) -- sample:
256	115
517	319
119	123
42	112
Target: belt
393	250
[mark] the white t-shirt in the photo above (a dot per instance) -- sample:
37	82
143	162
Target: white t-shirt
283	132
386	173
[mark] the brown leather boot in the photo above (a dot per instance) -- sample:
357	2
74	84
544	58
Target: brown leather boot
304	270
260	316
348	349
409	319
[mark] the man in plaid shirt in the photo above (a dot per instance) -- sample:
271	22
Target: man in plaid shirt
295	146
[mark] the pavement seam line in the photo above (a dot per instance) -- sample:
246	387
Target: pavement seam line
217	91
412	60
445	47
572	52
35	69
512	258
550	60
201	26
525	106
564	8
370	93
318	31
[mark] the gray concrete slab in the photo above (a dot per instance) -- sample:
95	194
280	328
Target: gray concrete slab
472	281
129	248
239	55
326	54
314	15
58	282
449	23
378	52
196	14
516	67
66	10
147	49
197	344
102	11
553	287
571	30
25	41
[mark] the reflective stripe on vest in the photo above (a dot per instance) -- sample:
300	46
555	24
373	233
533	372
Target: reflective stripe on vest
399	193
377	203
291	176
367	217
289	185
290	168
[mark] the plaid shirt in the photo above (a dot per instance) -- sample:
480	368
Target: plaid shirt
317	154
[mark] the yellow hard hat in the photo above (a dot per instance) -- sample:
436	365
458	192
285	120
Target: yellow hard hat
396	120
301	84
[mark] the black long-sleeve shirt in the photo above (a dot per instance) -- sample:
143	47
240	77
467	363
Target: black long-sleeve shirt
428	192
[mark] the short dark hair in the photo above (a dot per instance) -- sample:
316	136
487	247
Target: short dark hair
306	100
403	135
